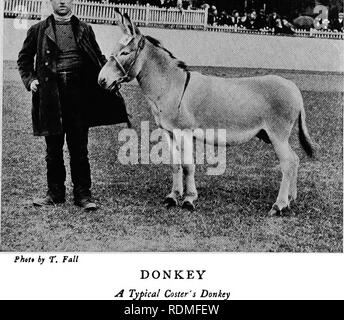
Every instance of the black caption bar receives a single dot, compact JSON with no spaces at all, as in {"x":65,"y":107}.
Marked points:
{"x":171,"y":309}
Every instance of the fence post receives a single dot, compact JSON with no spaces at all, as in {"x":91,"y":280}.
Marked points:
{"x":205,"y":18}
{"x":147,"y":15}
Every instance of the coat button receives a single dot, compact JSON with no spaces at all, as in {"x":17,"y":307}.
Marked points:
{"x":46,"y":79}
{"x":46,"y":63}
{"x":48,"y":51}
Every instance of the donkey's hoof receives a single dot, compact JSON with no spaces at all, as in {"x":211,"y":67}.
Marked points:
{"x":276,"y":211}
{"x":188,"y":206}
{"x":170,"y":202}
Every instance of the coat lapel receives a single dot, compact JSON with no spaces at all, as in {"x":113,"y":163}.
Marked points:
{"x":50,"y":30}
{"x":78,"y":29}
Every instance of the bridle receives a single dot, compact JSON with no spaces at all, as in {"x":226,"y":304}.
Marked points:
{"x":116,"y":85}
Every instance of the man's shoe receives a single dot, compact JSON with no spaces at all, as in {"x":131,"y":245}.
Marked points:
{"x":47,"y":201}
{"x":87,"y":204}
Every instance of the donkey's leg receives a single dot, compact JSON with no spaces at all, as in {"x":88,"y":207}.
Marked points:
{"x":288,"y":164}
{"x":188,"y":170}
{"x":293,"y":183}
{"x":190,"y":186}
{"x":171,"y":199}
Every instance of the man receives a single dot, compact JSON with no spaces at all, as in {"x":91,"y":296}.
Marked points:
{"x":338,"y":24}
{"x":261,"y":21}
{"x":235,"y":19}
{"x":251,"y":22}
{"x":66,"y":98}
{"x":273,"y":20}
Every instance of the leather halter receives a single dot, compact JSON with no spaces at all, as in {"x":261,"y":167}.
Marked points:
{"x":126,"y":73}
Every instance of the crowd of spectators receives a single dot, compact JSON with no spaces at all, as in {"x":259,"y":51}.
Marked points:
{"x":249,"y":19}
{"x":262,"y":21}
{"x":252,"y":20}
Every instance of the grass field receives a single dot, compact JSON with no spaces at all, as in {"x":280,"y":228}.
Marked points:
{"x":231,"y":213}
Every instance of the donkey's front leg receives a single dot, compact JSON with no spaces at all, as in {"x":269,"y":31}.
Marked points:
{"x":177,"y":187}
{"x":190,"y":186}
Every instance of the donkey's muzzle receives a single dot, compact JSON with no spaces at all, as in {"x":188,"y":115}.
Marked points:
{"x":102,"y":82}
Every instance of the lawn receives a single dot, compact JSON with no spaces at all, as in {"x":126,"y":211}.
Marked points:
{"x":231,"y":213}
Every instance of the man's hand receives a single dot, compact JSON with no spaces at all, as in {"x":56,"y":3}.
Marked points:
{"x":34,"y":85}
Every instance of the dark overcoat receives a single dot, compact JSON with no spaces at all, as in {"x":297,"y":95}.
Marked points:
{"x":100,"y":107}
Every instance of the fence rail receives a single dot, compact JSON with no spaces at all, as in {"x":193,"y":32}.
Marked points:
{"x":95,"y":12}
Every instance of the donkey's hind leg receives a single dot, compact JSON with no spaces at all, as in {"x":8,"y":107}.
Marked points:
{"x":190,"y":186}
{"x":188,"y":170}
{"x":289,"y":165}
{"x":293,"y":183}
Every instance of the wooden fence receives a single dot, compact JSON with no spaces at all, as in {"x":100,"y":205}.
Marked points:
{"x":95,"y":12}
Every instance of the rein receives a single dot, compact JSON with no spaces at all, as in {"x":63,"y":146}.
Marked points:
{"x":126,"y":78}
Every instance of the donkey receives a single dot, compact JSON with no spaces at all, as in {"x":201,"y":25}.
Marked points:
{"x":265,"y":106}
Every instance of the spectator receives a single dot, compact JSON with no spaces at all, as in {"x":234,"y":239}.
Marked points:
{"x":325,"y":24}
{"x":282,"y":26}
{"x":186,"y":4}
{"x":251,"y":21}
{"x":168,"y":4}
{"x":337,"y":25}
{"x":288,"y":27}
{"x":243,"y":20}
{"x":261,"y":21}
{"x":235,"y":18}
{"x":212,"y":16}
{"x":163,"y":4}
{"x":273,"y":20}
{"x":179,"y":5}
{"x":318,"y":22}
{"x":223,"y":19}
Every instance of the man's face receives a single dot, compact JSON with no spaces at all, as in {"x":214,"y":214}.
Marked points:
{"x":62,"y":7}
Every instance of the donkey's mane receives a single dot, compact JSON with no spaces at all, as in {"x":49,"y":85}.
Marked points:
{"x":157,"y":43}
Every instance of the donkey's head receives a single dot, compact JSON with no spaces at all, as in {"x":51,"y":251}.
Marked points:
{"x":124,"y":63}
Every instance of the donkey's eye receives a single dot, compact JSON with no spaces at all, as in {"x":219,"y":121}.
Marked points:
{"x":124,"y":53}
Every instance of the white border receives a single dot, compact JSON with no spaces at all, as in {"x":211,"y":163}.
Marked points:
{"x":101,"y":276}
{"x":245,"y":276}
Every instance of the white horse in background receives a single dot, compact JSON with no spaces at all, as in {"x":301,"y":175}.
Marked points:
{"x":265,"y":106}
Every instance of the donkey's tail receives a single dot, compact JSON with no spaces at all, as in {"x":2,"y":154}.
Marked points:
{"x":304,"y":137}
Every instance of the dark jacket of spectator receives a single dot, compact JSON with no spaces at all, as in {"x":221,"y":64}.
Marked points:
{"x":338,"y":24}
{"x":273,"y":20}
{"x":261,"y":21}
{"x":251,"y":21}
{"x":212,"y":16}
{"x":224,"y":19}
{"x":283,"y":26}
{"x":185,"y":4}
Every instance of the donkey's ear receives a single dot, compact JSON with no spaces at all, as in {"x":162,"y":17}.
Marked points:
{"x":130,"y":26}
{"x":119,"y":20}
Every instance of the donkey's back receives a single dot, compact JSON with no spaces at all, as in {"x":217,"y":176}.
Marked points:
{"x":242,"y":106}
